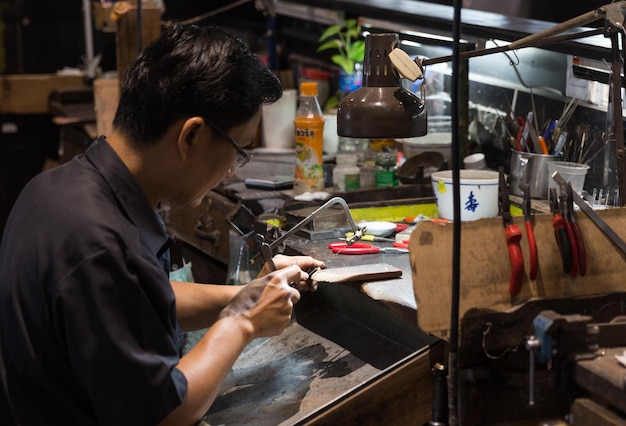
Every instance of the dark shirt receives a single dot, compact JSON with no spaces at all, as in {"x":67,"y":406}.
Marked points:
{"x":88,"y":330}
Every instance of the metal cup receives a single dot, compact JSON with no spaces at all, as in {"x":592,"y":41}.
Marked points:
{"x":530,"y":168}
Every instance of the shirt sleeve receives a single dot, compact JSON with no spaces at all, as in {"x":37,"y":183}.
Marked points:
{"x":115,"y":315}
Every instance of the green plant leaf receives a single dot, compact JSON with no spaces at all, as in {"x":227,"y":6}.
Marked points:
{"x":332,"y":44}
{"x":329,"y":32}
{"x":351,"y":23}
{"x":357,"y":51}
{"x":346,"y":63}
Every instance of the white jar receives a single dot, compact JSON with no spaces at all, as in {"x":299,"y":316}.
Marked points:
{"x":346,"y":173}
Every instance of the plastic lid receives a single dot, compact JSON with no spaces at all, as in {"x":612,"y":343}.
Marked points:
{"x":308,"y":88}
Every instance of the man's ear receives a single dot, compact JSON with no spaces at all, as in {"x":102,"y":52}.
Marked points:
{"x":189,"y":136}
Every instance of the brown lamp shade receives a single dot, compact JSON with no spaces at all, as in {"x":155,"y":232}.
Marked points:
{"x":381,"y":108}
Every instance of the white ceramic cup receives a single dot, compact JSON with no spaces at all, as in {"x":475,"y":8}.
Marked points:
{"x":475,"y":161}
{"x":479,"y":194}
{"x":277,"y":121}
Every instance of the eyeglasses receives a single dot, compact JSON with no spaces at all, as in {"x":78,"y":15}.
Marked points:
{"x":243,"y":157}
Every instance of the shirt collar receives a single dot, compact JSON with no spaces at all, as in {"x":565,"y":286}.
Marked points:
{"x":129,"y":195}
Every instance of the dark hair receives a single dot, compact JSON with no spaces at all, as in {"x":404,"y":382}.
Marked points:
{"x":189,"y":71}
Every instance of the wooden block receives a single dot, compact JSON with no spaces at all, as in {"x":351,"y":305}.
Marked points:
{"x":485,"y":266}
{"x":127,"y":45}
{"x":586,"y":412}
{"x":376,"y":271}
{"x":29,"y":93}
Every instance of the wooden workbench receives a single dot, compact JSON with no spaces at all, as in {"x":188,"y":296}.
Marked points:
{"x":347,"y":359}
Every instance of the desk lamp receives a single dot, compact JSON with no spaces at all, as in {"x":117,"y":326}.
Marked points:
{"x":381,"y":108}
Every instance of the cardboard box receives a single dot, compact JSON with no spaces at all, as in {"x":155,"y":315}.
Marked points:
{"x":28,"y":93}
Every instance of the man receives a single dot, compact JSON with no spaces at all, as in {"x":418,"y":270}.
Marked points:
{"x":90,"y":326}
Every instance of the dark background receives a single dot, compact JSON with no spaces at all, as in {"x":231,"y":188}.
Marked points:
{"x":42,"y":36}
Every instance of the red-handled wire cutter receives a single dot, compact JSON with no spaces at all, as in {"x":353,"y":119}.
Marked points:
{"x":578,"y":239}
{"x":363,"y":248}
{"x":563,"y":203}
{"x":560,"y":231}
{"x":513,"y":237}
{"x":530,"y":235}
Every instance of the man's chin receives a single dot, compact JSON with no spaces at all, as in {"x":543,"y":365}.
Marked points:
{"x":192,"y":204}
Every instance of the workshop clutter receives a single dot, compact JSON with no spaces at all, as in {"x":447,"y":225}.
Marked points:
{"x":479,"y":194}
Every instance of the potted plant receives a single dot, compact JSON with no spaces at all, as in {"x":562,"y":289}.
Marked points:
{"x":348,"y":41}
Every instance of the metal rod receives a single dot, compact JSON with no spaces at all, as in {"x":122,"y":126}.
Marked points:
{"x":617,"y":66}
{"x":535,"y":43}
{"x":89,"y":60}
{"x":453,"y":379}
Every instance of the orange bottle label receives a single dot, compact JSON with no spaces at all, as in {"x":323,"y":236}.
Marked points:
{"x":309,"y":172}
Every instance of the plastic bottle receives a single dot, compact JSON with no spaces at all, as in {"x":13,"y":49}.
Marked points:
{"x":346,"y":174}
{"x":386,"y":168}
{"x":309,"y":129}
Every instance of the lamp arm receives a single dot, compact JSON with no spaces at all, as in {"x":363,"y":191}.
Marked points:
{"x":484,"y":52}
{"x":613,"y":14}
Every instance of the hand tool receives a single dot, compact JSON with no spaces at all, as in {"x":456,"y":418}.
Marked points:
{"x":358,"y":231}
{"x":580,"y":244}
{"x":513,"y":237}
{"x":560,"y":231}
{"x":530,"y":234}
{"x":563,"y":204}
{"x":526,"y":140}
{"x":520,"y":130}
{"x":549,"y":132}
{"x":267,"y":254}
{"x":542,"y":145}
{"x":591,"y":214}
{"x":369,"y":237}
{"x":402,"y":244}
{"x":363,"y":248}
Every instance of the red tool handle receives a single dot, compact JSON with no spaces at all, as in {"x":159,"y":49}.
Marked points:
{"x":343,"y":245}
{"x":513,"y":237}
{"x":558,"y":223}
{"x":573,"y":247}
{"x":582,"y":252}
{"x":532,"y":250}
{"x":356,"y":250}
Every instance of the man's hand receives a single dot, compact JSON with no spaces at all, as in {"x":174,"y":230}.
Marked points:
{"x":267,"y":302}
{"x":306,"y":263}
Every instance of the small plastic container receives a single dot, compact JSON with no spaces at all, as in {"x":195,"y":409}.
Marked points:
{"x":346,"y":174}
{"x":574,"y":173}
{"x":386,"y":170}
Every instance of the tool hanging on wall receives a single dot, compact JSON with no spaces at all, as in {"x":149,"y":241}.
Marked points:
{"x":580,"y":244}
{"x":513,"y":237}
{"x":560,"y":231}
{"x":530,"y":235}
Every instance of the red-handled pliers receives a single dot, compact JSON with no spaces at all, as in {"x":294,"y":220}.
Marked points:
{"x":570,"y":232}
{"x":513,"y":237}
{"x":578,"y":239}
{"x":363,"y":248}
{"x":530,"y":235}
{"x":560,"y":231}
